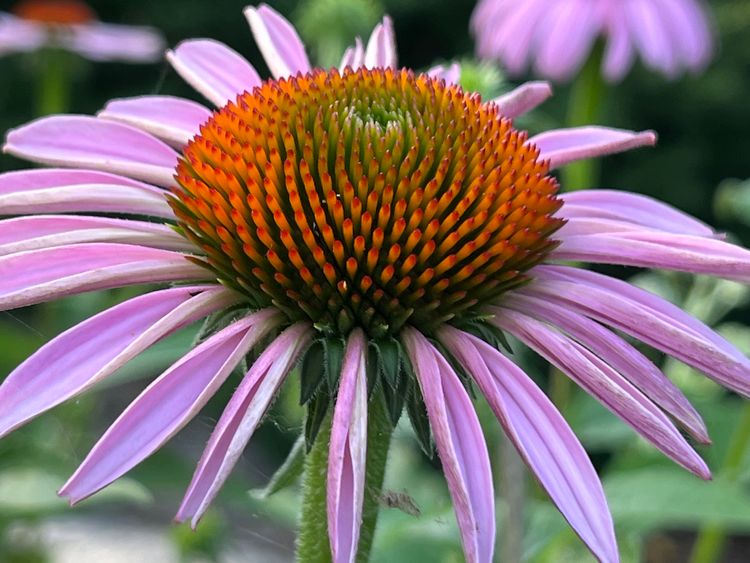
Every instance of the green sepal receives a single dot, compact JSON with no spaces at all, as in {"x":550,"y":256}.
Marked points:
{"x":395,"y":398}
{"x":312,"y":371}
{"x":489,"y":333}
{"x":216,"y":322}
{"x":373,"y":368}
{"x":286,"y":475}
{"x":389,"y":356}
{"x":317,"y":407}
{"x":417,"y":412}
{"x":334,"y":357}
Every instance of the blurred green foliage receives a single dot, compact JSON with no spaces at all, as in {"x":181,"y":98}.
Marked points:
{"x":704,"y":143}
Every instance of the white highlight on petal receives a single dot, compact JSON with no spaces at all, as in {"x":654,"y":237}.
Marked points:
{"x":381,"y":47}
{"x":278,"y":41}
{"x":523,"y":99}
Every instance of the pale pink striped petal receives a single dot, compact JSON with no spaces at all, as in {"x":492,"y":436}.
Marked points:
{"x":543,"y":439}
{"x":460,"y":444}
{"x":381,"y":47}
{"x":523,"y":99}
{"x":450,"y":73}
{"x":618,"y":354}
{"x":646,"y":317}
{"x":36,"y":179}
{"x":93,"y":350}
{"x":213,"y":69}
{"x":278,"y":41}
{"x":601,"y":381}
{"x":240,"y":418}
{"x":348,"y":452}
{"x":354,"y":56}
{"x":632,"y":208}
{"x":42,"y":275}
{"x":562,"y":146}
{"x":166,"y":405}
{"x":86,"y":142}
{"x":44,"y":231}
{"x":173,"y":120}
{"x":686,"y":253}
{"x":111,"y":42}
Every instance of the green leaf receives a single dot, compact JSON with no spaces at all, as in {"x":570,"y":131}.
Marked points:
{"x":317,"y":407}
{"x":334,"y":357}
{"x":418,"y":417}
{"x":669,"y":497}
{"x":312,"y":371}
{"x":287,"y":474}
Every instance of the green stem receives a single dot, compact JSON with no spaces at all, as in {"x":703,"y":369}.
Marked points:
{"x":584,"y":108}
{"x":53,"y":83}
{"x":709,"y":544}
{"x":312,"y":542}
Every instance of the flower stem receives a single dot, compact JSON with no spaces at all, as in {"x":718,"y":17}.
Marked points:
{"x":53,"y":83}
{"x":584,"y":107}
{"x":312,"y":542}
{"x":709,"y":544}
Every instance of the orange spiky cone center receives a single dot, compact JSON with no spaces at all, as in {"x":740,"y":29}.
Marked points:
{"x":55,"y":12}
{"x":371,"y":198}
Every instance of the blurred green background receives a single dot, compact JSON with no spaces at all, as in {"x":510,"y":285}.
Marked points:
{"x":700,"y":165}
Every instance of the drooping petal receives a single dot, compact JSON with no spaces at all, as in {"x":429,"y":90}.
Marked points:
{"x":523,"y":99}
{"x":61,"y":190}
{"x":44,"y":231}
{"x":650,"y":35}
{"x":111,"y":42}
{"x":278,"y":41}
{"x":213,"y":69}
{"x":173,"y":120}
{"x":42,"y":275}
{"x":618,"y":354}
{"x":605,"y":384}
{"x":685,"y":253}
{"x":460,"y":444}
{"x":86,"y":142}
{"x":240,"y":418}
{"x":381,"y":47}
{"x":690,"y":33}
{"x":562,"y":146}
{"x":96,"y":348}
{"x":619,"y":54}
{"x":166,"y":405}
{"x":450,"y":73}
{"x":632,"y":208}
{"x":543,"y":439}
{"x":18,"y":35}
{"x":348,"y":452}
{"x":647,"y":317}
{"x":354,"y":56}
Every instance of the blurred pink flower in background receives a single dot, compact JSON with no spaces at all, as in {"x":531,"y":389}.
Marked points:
{"x":73,"y":26}
{"x":555,"y":37}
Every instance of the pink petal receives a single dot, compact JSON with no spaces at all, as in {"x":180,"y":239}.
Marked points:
{"x":87,"y":142}
{"x":617,"y":353}
{"x":42,"y":275}
{"x":620,"y":52}
{"x":381,"y":47}
{"x":605,"y":384}
{"x":450,"y":73}
{"x":240,"y":418}
{"x":17,"y":35}
{"x":166,"y":405}
{"x":654,"y":249}
{"x":173,"y":120}
{"x":109,"y":42}
{"x":215,"y":70}
{"x":460,"y":444}
{"x":278,"y":41}
{"x":562,"y":146}
{"x":647,"y":317}
{"x":43,"y":231}
{"x":354,"y":56}
{"x":650,"y":35}
{"x":99,"y":346}
{"x":543,"y":439}
{"x":523,"y":99}
{"x":691,"y":36}
{"x":60,"y":190}
{"x":633,"y":208}
{"x":348,"y":452}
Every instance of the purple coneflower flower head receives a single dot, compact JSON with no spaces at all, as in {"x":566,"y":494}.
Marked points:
{"x":555,"y":37}
{"x":386,"y":229}
{"x":72,"y":25}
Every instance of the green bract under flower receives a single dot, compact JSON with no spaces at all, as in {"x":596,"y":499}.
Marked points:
{"x":372,"y":198}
